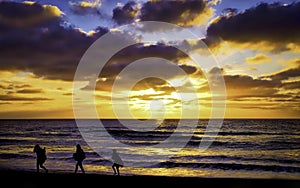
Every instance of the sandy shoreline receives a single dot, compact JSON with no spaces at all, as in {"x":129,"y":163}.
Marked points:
{"x":14,"y":178}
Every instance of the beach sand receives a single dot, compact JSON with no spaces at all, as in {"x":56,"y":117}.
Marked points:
{"x":30,"y":179}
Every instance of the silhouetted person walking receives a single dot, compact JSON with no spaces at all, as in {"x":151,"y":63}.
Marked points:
{"x":117,"y":162}
{"x":79,"y":156}
{"x":40,"y":157}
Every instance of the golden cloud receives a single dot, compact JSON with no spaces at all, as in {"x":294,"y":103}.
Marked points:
{"x":258,"y":59}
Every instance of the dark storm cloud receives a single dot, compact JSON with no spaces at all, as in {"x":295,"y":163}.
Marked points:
{"x":46,"y":48}
{"x":136,"y":52}
{"x":245,"y":81}
{"x":183,"y":13}
{"x":285,"y":74}
{"x":245,"y":87}
{"x":25,"y":14}
{"x":275,"y":23}
{"x":291,"y":85}
{"x":188,"y":69}
{"x":139,"y":51}
{"x":51,"y":50}
{"x":125,"y":14}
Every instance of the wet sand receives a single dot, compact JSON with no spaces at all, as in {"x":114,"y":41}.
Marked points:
{"x":30,"y":179}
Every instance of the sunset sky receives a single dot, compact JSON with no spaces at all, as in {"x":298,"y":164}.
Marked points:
{"x":256,"y":44}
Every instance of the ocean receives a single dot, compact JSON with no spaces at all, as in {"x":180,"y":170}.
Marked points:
{"x":243,"y":148}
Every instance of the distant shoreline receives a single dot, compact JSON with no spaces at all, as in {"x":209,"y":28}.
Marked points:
{"x":19,"y":178}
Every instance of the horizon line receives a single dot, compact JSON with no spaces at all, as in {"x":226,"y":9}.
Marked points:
{"x":142,"y":119}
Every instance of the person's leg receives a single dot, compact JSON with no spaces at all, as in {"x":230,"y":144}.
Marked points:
{"x":113,"y":167}
{"x":37,"y":167}
{"x":43,"y":167}
{"x":118,"y":171}
{"x":81,"y":167}
{"x":76,"y":167}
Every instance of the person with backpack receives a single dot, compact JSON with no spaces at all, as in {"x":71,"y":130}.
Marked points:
{"x":40,"y":158}
{"x":117,"y":162}
{"x":79,"y":156}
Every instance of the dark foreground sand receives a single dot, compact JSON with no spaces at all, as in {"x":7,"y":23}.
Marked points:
{"x":10,"y":178}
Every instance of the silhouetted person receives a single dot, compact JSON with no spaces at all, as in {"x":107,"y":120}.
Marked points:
{"x":40,"y":157}
{"x":117,"y":162}
{"x":79,"y":156}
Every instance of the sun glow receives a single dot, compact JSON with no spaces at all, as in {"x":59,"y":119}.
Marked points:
{"x":260,"y":68}
{"x":177,"y":82}
{"x":156,"y":105}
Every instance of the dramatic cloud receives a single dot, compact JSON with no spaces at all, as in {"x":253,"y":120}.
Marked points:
{"x":184,"y":13}
{"x":285,"y":74}
{"x":19,"y":98}
{"x":273,"y":24}
{"x":258,"y":58}
{"x":291,"y":86}
{"x":26,"y":14}
{"x":16,"y":88}
{"x":268,"y":88}
{"x":68,"y":94}
{"x":241,"y":86}
{"x":152,"y":83}
{"x":85,"y":7}
{"x":125,"y":14}
{"x":51,"y":50}
{"x":38,"y":43}
{"x":30,"y":91}
{"x":128,"y":55}
{"x":188,"y":69}
{"x":139,"y":51}
{"x":244,"y":81}
{"x":45,"y":47}
{"x":11,"y":86}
